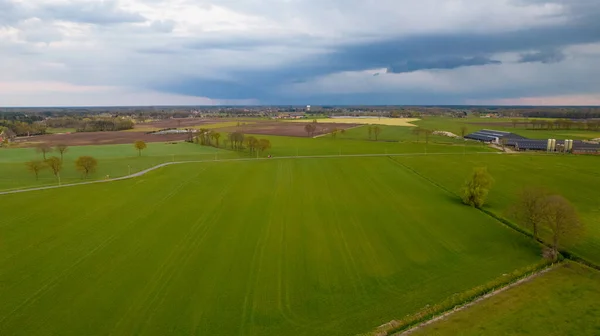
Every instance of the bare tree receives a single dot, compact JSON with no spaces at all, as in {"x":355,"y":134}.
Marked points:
{"x":264,"y":145}
{"x":529,"y":209}
{"x":370,"y":130}
{"x":86,"y":165}
{"x":562,"y":222}
{"x":515,"y":122}
{"x":43,"y":148}
{"x":35,"y":167}
{"x":503,"y":142}
{"x":55,"y":164}
{"x":476,"y":189}
{"x":427,"y":133}
{"x":216,"y":136}
{"x":140,"y":146}
{"x":417,"y":131}
{"x":464,"y":131}
{"x":62,"y":149}
{"x":376,"y":132}
{"x":334,"y":132}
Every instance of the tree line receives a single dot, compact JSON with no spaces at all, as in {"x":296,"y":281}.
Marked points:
{"x":559,"y":124}
{"x":84,"y":164}
{"x":235,"y":140}
{"x":552,"y":219}
{"x":23,"y":128}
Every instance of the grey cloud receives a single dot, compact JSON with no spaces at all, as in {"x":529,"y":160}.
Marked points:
{"x":546,"y":57}
{"x":444,"y":63}
{"x":165,"y":26}
{"x":100,"y":13}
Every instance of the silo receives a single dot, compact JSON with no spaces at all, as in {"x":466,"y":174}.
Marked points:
{"x":549,"y":145}
{"x":553,"y":147}
{"x":568,"y":145}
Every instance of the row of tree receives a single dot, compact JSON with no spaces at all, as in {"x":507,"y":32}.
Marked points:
{"x":85,"y":164}
{"x":236,"y":140}
{"x":22,"y":128}
{"x":552,"y":219}
{"x":559,"y":124}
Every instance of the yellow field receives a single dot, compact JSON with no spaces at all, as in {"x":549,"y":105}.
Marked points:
{"x":377,"y":121}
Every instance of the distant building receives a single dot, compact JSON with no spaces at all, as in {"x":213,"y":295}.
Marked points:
{"x":307,"y":108}
{"x":521,"y":143}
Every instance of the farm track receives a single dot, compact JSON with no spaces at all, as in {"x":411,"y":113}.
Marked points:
{"x":145,"y":171}
{"x":476,"y":301}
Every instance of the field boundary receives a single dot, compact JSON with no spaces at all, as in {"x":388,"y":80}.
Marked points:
{"x":460,"y":301}
{"x":145,"y":171}
{"x":518,"y":282}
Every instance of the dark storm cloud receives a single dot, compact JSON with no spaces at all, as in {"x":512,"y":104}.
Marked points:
{"x":446,"y":63}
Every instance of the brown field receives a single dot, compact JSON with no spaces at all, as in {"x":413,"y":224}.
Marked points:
{"x":97,"y":138}
{"x":177,"y":123}
{"x":125,"y":137}
{"x":284,"y":128}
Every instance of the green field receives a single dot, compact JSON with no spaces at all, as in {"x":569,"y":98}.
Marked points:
{"x":119,"y":160}
{"x":332,"y":246}
{"x":564,"y":301}
{"x":575,"y":177}
{"x":113,"y":160}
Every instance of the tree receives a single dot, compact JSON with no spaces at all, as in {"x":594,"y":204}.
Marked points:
{"x":476,"y":189}
{"x":334,"y":132}
{"x":342,"y":131}
{"x":62,"y":149}
{"x":515,"y":122}
{"x":35,"y":167}
{"x":216,"y":136}
{"x":311,"y":128}
{"x":263,"y":145}
{"x":503,"y":142}
{"x":370,"y":130}
{"x":86,"y":165}
{"x":561,"y":221}
{"x":43,"y":148}
{"x":427,"y":133}
{"x":376,"y":132}
{"x":55,"y":164}
{"x":464,"y":131}
{"x":529,"y":209}
{"x":417,"y":131}
{"x":140,"y":146}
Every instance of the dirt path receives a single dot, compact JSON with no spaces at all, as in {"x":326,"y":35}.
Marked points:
{"x":145,"y":171}
{"x":496,"y":292}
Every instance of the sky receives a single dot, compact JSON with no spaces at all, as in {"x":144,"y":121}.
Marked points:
{"x":300,"y":52}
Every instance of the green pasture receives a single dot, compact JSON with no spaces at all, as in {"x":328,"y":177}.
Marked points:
{"x":564,"y":301}
{"x":575,"y":177}
{"x":113,"y":160}
{"x":333,"y":246}
{"x":120,"y":160}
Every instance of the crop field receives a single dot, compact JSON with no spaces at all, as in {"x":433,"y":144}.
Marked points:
{"x":333,"y":246}
{"x":575,"y":177}
{"x":564,"y":301}
{"x":406,"y":122}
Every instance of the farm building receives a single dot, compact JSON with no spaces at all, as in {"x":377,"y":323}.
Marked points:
{"x":493,"y":136}
{"x":521,"y":143}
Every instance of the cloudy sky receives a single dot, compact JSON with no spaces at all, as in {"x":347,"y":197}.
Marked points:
{"x":187,"y":52}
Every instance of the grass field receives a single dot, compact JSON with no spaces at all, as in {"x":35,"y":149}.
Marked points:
{"x":113,"y":160}
{"x":274,"y":247}
{"x":406,"y":122}
{"x":119,"y":160}
{"x":575,"y":177}
{"x":564,"y":301}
